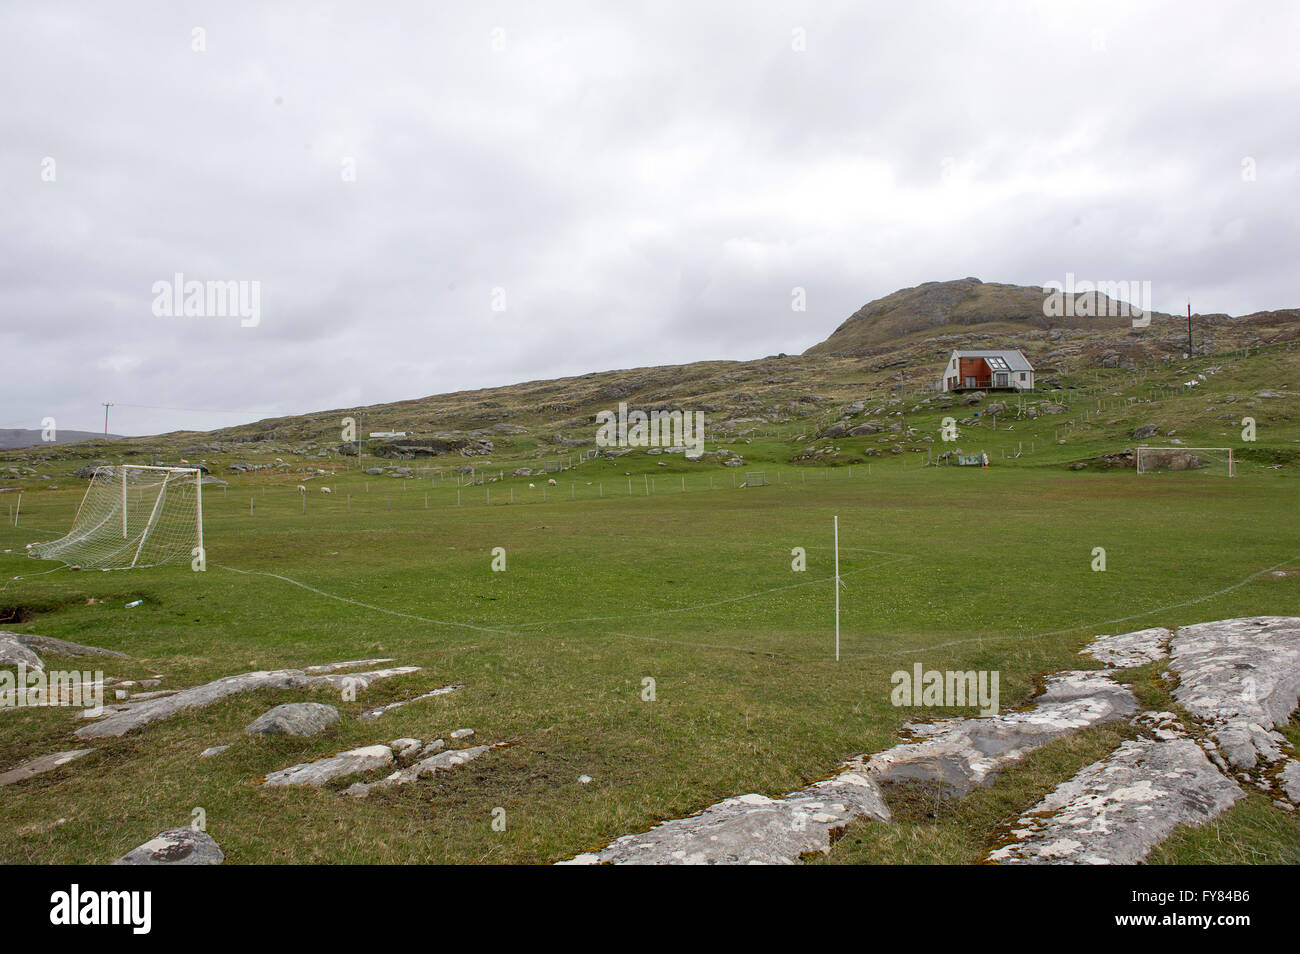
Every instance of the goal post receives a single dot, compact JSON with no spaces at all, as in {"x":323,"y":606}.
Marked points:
{"x":133,"y":515}
{"x":1211,"y":460}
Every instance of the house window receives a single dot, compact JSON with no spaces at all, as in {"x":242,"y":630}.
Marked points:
{"x":1023,"y":376}
{"x":970,"y":383}
{"x":1001,"y":378}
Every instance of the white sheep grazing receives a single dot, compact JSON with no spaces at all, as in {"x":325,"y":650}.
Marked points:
{"x":551,"y":481}
{"x":184,"y":461}
{"x":302,"y":489}
{"x":532,"y":486}
{"x":326,"y":490}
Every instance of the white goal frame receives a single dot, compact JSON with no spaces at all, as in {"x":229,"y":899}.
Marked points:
{"x":1232,"y":463}
{"x":118,"y":473}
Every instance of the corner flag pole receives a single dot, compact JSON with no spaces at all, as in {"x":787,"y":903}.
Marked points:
{"x":837,"y":587}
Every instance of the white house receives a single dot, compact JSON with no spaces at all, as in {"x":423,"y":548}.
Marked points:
{"x":1007,"y":370}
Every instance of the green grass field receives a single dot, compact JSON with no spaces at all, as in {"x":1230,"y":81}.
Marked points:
{"x":955,"y":568}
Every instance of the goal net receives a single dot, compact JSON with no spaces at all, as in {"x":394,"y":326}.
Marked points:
{"x":1209,"y":460}
{"x":132,"y":516}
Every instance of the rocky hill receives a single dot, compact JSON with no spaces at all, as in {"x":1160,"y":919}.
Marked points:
{"x":967,"y":302}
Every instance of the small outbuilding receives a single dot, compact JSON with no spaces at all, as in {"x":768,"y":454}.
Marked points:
{"x":1004,"y":370}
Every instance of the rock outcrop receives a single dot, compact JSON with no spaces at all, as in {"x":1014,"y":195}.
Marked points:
{"x":317,"y":773}
{"x":1241,"y":677}
{"x":961,"y":754}
{"x":39,"y":766}
{"x":24,"y":648}
{"x":134,"y":715}
{"x":1116,"y":810}
{"x":753,"y":829}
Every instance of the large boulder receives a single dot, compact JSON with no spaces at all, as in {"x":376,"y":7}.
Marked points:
{"x":838,"y":429}
{"x":974,"y":397}
{"x":1145,"y":430}
{"x":294,"y":718}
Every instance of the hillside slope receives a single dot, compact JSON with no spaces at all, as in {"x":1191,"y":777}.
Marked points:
{"x":793,"y":400}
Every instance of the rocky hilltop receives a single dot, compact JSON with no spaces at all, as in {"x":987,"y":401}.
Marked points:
{"x":968,"y":302}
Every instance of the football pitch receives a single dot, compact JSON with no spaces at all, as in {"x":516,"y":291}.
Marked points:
{"x":676,"y":647}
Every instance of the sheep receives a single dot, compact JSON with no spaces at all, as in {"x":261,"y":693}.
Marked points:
{"x":326,"y":490}
{"x":532,"y":486}
{"x":551,"y":482}
{"x":185,"y":462}
{"x":302,"y":489}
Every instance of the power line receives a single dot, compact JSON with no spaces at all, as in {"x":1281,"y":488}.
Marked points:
{"x":188,"y":410}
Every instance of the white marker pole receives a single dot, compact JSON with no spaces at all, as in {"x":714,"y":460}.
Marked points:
{"x":837,"y":588}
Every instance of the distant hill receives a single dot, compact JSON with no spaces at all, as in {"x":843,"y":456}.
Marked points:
{"x":22,"y":437}
{"x":890,"y":320}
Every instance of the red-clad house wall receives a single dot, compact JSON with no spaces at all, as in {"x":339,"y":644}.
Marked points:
{"x":976,"y":368}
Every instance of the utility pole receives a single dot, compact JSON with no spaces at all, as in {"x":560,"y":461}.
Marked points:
{"x":107,"y":405}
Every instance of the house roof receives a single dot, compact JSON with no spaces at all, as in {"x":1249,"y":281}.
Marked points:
{"x":1012,"y":356}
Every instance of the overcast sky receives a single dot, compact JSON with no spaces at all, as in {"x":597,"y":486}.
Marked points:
{"x":636,"y":183}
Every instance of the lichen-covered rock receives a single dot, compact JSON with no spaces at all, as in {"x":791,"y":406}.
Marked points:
{"x":142,"y":713}
{"x":315,"y":774}
{"x":1130,"y":649}
{"x":961,"y":754}
{"x":179,"y":846}
{"x":294,"y":718}
{"x":1241,"y":677}
{"x":753,"y":829}
{"x":1116,"y":810}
